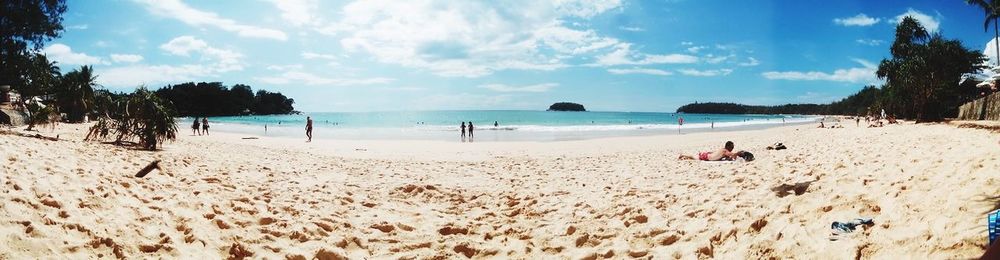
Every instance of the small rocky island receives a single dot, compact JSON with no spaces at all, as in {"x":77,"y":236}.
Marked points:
{"x":566,"y":106}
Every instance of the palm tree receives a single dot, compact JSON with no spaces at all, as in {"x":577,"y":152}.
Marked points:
{"x":43,"y":76}
{"x":76,"y":95}
{"x":992,"y":10}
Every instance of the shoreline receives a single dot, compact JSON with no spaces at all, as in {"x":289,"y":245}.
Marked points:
{"x":501,"y":134}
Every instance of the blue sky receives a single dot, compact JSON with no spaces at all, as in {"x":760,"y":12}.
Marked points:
{"x":609,"y":55}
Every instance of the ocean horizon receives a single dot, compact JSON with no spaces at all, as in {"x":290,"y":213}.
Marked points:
{"x":491,"y":125}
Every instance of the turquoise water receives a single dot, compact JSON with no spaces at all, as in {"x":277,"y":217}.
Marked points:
{"x":513,"y":125}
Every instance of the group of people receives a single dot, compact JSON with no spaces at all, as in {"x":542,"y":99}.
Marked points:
{"x":472,"y":128}
{"x":199,"y":128}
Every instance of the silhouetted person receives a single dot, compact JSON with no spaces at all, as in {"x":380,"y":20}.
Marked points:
{"x":496,"y":124}
{"x":463,"y":130}
{"x":470,"y":130}
{"x":309,"y":128}
{"x":195,"y":127}
{"x":204,"y":125}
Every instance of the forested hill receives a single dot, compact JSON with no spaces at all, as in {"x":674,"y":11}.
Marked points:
{"x":733,"y":108}
{"x":856,"y":104}
{"x":215,"y":99}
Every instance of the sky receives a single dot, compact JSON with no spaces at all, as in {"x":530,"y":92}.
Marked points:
{"x":609,"y":55}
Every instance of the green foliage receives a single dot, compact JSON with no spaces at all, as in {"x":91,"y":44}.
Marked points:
{"x":991,"y":9}
{"x":733,"y":108}
{"x":214,"y":99}
{"x":25,"y":26}
{"x":922,"y":82}
{"x":566,"y":106}
{"x":75,"y":93}
{"x":42,"y":76}
{"x":141,"y":116}
{"x":922,"y":77}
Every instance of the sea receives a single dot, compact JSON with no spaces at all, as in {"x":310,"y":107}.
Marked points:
{"x":490,"y":125}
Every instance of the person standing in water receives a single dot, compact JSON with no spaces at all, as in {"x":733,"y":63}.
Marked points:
{"x":470,"y":130}
{"x":204,"y":125}
{"x":463,"y":130}
{"x":309,"y":129}
{"x":496,"y":124}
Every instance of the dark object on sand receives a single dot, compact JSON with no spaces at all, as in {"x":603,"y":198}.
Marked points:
{"x":849,"y":226}
{"x":787,"y":189}
{"x":566,"y":106}
{"x":747,"y":156}
{"x":153,"y":165}
{"x":249,"y":138}
{"x":777,"y":146}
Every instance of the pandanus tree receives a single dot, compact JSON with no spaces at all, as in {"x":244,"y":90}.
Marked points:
{"x":992,"y":10}
{"x":141,"y":116}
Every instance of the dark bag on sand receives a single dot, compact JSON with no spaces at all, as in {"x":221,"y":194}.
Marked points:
{"x":747,"y":156}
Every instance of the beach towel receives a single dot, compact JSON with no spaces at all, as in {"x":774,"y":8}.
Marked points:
{"x":991,"y":224}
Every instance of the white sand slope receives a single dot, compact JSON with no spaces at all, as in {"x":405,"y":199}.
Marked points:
{"x":927,"y":187}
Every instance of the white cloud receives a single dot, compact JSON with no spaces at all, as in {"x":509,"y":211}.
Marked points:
{"x":713,"y":59}
{"x":928,"y":22}
{"x":623,"y":55}
{"x":131,"y":76}
{"x":864,"y":74}
{"x":870,"y":42}
{"x":194,"y":17}
{"x":695,"y":49}
{"x":224,"y":60}
{"x":77,"y":27}
{"x":471,"y":38}
{"x":990,"y":50}
{"x":297,"y":12}
{"x":312,"y":55}
{"x":306,"y":78}
{"x":640,"y":71}
{"x":284,"y":67}
{"x":211,"y":62}
{"x":126,"y":58}
{"x":705,"y":73}
{"x":64,"y":55}
{"x":631,"y":29}
{"x":751,"y":61}
{"x":857,"y":20}
{"x":687,"y":43}
{"x":544,"y":87}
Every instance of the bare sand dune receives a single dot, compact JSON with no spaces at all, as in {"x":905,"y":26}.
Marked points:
{"x":927,"y":187}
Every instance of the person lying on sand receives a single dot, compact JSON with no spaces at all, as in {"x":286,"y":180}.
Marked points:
{"x":724,"y":154}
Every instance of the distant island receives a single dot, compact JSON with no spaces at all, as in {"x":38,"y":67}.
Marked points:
{"x":566,"y":106}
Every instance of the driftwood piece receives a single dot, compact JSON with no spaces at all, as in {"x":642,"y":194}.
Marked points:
{"x":153,"y":165}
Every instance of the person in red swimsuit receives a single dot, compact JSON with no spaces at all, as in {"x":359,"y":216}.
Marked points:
{"x":726,"y":153}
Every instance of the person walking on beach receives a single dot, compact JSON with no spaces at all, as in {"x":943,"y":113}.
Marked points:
{"x":204,"y":125}
{"x":470,"y":129}
{"x":309,"y":129}
{"x":195,"y":126}
{"x":463,"y":130}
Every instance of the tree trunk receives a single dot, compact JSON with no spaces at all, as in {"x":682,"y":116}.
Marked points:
{"x":996,"y":33}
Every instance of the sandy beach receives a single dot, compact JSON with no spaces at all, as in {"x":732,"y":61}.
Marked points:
{"x":927,"y":188}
